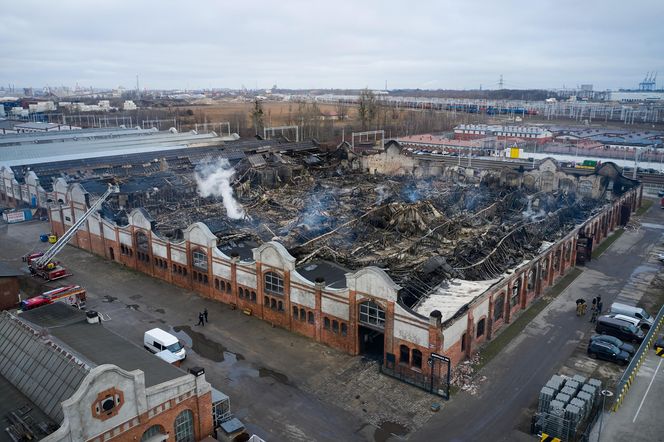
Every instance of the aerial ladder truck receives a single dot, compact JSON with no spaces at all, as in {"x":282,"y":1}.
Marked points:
{"x":43,"y":265}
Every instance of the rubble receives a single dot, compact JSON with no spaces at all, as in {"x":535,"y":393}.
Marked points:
{"x":421,"y":231}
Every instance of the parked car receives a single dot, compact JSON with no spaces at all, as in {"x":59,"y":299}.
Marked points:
{"x":607,"y":351}
{"x":629,"y":348}
{"x":659,"y":343}
{"x":620,"y":329}
{"x":643,"y":325}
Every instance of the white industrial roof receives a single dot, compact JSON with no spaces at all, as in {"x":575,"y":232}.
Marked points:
{"x":71,"y":149}
{"x":450,"y":296}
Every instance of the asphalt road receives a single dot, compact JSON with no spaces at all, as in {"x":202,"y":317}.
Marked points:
{"x":517,"y":374}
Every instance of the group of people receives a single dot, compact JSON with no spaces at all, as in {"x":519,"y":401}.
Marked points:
{"x":202,"y":317}
{"x":595,"y":310}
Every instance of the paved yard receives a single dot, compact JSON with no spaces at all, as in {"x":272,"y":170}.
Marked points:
{"x":283,"y":386}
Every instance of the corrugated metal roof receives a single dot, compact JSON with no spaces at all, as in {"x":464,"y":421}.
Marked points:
{"x":37,"y":369}
{"x":78,"y":149}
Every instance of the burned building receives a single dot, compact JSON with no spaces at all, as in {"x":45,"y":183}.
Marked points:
{"x":382,"y":254}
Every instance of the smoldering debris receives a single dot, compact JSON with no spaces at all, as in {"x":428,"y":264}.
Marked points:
{"x":420,"y":231}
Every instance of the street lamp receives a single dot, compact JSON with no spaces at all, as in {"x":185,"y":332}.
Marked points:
{"x":605,"y":394}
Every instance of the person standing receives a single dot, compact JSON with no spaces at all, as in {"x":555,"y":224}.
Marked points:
{"x":201,"y":319}
{"x":205,"y":314}
{"x":599,"y":305}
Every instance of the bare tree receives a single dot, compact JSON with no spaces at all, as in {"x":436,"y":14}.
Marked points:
{"x":367,"y":108}
{"x":257,"y":116}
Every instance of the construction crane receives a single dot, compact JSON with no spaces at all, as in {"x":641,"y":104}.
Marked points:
{"x":50,"y":270}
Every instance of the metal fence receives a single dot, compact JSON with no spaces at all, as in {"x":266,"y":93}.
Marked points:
{"x":630,"y":372}
{"x":432,"y":384}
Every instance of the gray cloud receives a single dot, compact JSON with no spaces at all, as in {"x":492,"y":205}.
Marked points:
{"x":426,"y":44}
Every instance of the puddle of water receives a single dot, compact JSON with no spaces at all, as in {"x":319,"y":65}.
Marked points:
{"x":202,"y":345}
{"x":388,"y":429}
{"x":108,"y":298}
{"x":135,"y":297}
{"x":279,"y":377}
{"x":160,"y":310}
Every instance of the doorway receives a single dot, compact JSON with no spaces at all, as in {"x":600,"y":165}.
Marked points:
{"x":372,"y":343}
{"x":110,"y":250}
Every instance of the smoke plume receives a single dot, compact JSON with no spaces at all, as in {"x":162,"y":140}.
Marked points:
{"x":215,"y":180}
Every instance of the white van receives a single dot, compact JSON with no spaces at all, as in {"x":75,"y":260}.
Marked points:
{"x":157,"y":341}
{"x":630,"y":310}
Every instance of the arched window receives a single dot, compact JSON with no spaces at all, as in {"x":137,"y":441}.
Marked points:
{"x":372,"y":314}
{"x":499,"y":306}
{"x":266,"y":301}
{"x":310,"y":318}
{"x":142,"y":242}
{"x":253,"y":296}
{"x":274,"y":283}
{"x":326,"y":323}
{"x":153,"y":433}
{"x":273,"y":304}
{"x":296,"y":311}
{"x":199,"y":259}
{"x":184,"y":427}
{"x":404,"y":354}
{"x":344,"y":329}
{"x":303,"y":315}
{"x":335,"y":326}
{"x":240,"y":292}
{"x":516,"y":290}
{"x":417,"y":358}
{"x":480,"y":328}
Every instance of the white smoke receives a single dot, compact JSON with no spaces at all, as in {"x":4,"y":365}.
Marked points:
{"x":215,"y":180}
{"x":383,"y":192}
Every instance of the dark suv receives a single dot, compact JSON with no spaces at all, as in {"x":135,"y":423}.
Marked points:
{"x":620,"y":329}
{"x":623,"y":346}
{"x":607,"y":351}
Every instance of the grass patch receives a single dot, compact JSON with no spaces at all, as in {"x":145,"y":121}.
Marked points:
{"x":645,"y":205}
{"x":607,"y":243}
{"x":488,"y":352}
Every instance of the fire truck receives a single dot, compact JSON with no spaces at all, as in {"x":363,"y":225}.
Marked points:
{"x":42,"y":263}
{"x":71,"y":294}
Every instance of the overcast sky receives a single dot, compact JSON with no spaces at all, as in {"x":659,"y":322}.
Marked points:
{"x":327,"y":44}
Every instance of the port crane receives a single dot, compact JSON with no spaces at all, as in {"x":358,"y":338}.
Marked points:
{"x":43,"y":264}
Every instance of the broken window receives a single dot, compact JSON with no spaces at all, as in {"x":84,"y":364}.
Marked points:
{"x":531,"y":280}
{"x":516,"y":290}
{"x":417,"y":358}
{"x":404,"y":355}
{"x":199,"y":259}
{"x":498,"y":307}
{"x":372,"y":314}
{"x":142,"y":242}
{"x":480,"y":328}
{"x":274,"y":283}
